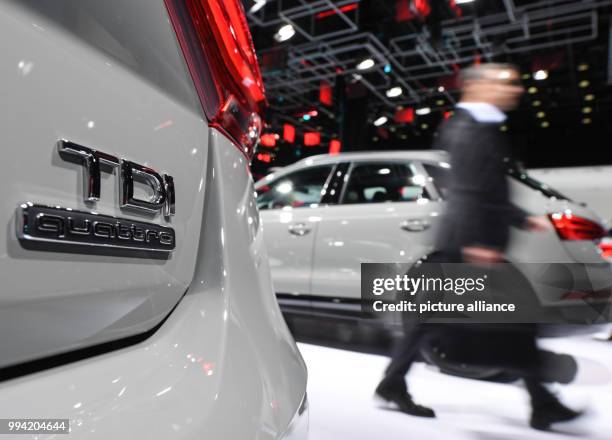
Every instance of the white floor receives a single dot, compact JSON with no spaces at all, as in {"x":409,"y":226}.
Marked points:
{"x":341,"y":384}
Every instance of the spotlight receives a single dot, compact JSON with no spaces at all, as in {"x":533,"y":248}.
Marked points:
{"x":257,"y":6}
{"x":531,"y":90}
{"x":284,"y":33}
{"x":306,"y":117}
{"x":441,"y":89}
{"x":394,"y":92}
{"x":589,"y":97}
{"x":380,"y":121}
{"x":526,"y":76}
{"x":387,"y":68}
{"x":540,"y":75}
{"x":540,"y":114}
{"x":461,"y":2}
{"x":424,"y":126}
{"x":544,"y":124}
{"x":423,"y":111}
{"x":586,"y":110}
{"x":366,"y":64}
{"x":536,"y":103}
{"x":584,"y":83}
{"x":503,"y":128}
{"x":586,"y":121}
{"x":582,"y":67}
{"x":440,"y":102}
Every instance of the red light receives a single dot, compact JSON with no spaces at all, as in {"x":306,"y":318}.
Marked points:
{"x":606,"y":249}
{"x":334,"y":147}
{"x":268,"y":140}
{"x":345,"y":8}
{"x":325,"y":93}
{"x":405,"y":115}
{"x":447,"y":114}
{"x":313,"y":113}
{"x":422,"y":7}
{"x":217,"y":46}
{"x":572,"y":227}
{"x":264,"y":157}
{"x":312,"y":138}
{"x":289,"y":133}
{"x":402,"y":11}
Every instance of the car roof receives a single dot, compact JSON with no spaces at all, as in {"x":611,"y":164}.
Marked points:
{"x":324,"y":159}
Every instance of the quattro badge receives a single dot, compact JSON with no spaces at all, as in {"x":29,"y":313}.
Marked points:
{"x":67,"y":227}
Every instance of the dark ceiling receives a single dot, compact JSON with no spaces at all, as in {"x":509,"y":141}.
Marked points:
{"x":419,"y":46}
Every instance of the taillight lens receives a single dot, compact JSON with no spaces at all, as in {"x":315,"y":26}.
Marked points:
{"x":606,"y":249}
{"x":217,"y":46}
{"x":573,"y":227}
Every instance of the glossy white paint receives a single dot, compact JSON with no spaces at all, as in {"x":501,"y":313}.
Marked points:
{"x":292,"y":249}
{"x":223,"y":366}
{"x":56,"y":86}
{"x":348,"y":235}
{"x":110,"y":75}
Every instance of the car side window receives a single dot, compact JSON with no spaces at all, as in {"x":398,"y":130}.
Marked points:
{"x":379,"y":182}
{"x":440,"y":177}
{"x":298,"y":189}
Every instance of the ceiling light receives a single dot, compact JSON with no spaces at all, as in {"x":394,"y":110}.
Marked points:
{"x":504,"y":128}
{"x":583,"y":67}
{"x":526,"y":76}
{"x":544,"y":124}
{"x":461,"y":2}
{"x":380,"y":121}
{"x":536,"y":103}
{"x":532,"y":90}
{"x":586,"y":121}
{"x":540,"y":75}
{"x":423,"y":111}
{"x":284,"y":33}
{"x":540,"y":114}
{"x":584,"y":83}
{"x":394,"y":92}
{"x":586,"y":110}
{"x":440,"y":102}
{"x":589,"y":97}
{"x":424,"y":126}
{"x":441,"y":89}
{"x":366,"y":64}
{"x":257,"y":6}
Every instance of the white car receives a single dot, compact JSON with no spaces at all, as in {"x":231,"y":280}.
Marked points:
{"x":325,"y":215}
{"x":136,"y":297}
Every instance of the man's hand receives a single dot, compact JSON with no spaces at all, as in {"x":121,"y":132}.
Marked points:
{"x":481,"y":255}
{"x":538,"y":224}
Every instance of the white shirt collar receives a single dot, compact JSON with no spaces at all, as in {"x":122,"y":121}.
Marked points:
{"x":483,"y":112}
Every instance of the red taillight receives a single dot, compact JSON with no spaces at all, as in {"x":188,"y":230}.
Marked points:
{"x":217,"y":46}
{"x":572,"y":227}
{"x":606,"y":249}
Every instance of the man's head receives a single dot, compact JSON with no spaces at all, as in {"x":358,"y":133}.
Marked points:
{"x":493,"y":83}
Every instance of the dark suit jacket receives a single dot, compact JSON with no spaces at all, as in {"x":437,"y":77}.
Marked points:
{"x":479,"y":211}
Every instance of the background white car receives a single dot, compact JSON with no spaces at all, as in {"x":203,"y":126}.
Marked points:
{"x":188,"y":345}
{"x":325,"y":215}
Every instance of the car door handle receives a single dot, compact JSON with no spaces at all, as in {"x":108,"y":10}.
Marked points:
{"x":415,"y":224}
{"x":299,"y":229}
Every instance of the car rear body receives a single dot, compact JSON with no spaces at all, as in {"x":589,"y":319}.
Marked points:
{"x":179,"y":344}
{"x":372,"y":219}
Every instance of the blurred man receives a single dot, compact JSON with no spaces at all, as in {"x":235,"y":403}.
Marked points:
{"x":476,"y":228}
